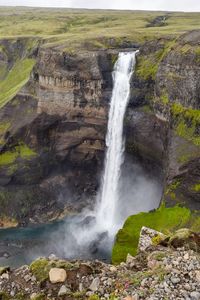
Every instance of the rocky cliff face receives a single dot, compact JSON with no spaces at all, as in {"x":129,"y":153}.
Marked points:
{"x":168,"y":72}
{"x":53,"y":135}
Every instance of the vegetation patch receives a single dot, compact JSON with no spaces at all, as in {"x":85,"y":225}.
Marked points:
{"x":164,"y":98}
{"x":146,"y":109}
{"x":147,"y":65}
{"x":21,"y":151}
{"x":4,"y":296}
{"x":196,"y":187}
{"x":4,"y":126}
{"x":171,"y":188}
{"x":186,"y":122}
{"x":165,"y":220}
{"x":15,"y":80}
{"x":40,"y":269}
{"x":39,"y":297}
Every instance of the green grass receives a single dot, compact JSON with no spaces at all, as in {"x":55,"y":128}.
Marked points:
{"x":4,"y":126}
{"x":15,"y":80}
{"x":9,"y":157}
{"x":3,"y":70}
{"x":88,"y":27}
{"x":165,"y":220}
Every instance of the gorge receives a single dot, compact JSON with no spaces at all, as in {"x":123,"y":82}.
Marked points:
{"x":62,"y":190}
{"x":91,"y":233}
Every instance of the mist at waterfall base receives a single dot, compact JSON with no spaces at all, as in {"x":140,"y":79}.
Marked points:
{"x":126,"y":189}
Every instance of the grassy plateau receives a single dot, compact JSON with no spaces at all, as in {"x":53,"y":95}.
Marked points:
{"x":73,"y":28}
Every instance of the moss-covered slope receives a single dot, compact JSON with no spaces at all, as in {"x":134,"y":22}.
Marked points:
{"x":15,"y":80}
{"x":165,"y":220}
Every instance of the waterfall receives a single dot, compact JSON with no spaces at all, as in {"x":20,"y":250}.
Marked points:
{"x":108,"y":199}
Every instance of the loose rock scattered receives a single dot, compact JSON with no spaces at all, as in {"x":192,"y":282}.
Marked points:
{"x":159,"y":272}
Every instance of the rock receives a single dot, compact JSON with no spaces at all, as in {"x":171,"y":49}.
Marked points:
{"x":95,"y":245}
{"x":186,"y":256}
{"x":12,"y":293}
{"x":89,"y":294}
{"x":80,"y":287}
{"x":175,"y":280}
{"x":27,"y":277}
{"x":153,"y":264}
{"x":33,"y":278}
{"x":185,"y":237}
{"x":6,"y":255}
{"x":198,"y":276}
{"x":57,"y":275}
{"x":37,"y":296}
{"x":135,"y":297}
{"x":63,"y":291}
{"x":4,"y":270}
{"x":195,"y":296}
{"x":95,"y":284}
{"x":109,"y":282}
{"x":53,"y":257}
{"x":5,"y":276}
{"x":130,"y":259}
{"x":187,"y":287}
{"x":113,"y":269}
{"x":147,"y":237}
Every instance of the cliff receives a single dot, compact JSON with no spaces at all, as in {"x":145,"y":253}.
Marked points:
{"x":165,"y":118}
{"x":52,"y":134}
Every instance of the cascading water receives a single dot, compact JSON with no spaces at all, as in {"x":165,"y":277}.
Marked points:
{"x":106,"y":208}
{"x":91,"y":234}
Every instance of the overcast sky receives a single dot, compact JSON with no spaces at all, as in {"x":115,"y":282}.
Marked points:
{"x":181,"y":5}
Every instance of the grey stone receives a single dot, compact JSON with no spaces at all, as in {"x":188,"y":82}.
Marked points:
{"x":95,"y":284}
{"x":195,"y":296}
{"x":63,"y":291}
{"x":175,"y":280}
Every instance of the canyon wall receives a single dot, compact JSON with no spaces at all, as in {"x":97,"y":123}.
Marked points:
{"x":166,"y":84}
{"x":52,"y":136}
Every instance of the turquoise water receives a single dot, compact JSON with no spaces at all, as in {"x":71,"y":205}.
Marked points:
{"x":19,"y":246}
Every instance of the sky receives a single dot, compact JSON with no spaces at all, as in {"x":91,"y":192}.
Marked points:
{"x":173,"y":5}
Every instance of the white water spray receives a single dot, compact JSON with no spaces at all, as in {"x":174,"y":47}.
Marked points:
{"x":106,"y":209}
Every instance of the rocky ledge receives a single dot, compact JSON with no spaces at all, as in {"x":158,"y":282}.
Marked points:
{"x":168,"y":270}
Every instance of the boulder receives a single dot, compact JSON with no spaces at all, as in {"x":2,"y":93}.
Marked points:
{"x":57,"y":275}
{"x":149,"y":237}
{"x":185,"y":238}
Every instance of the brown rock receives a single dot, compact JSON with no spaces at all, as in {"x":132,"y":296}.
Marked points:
{"x":57,"y":275}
